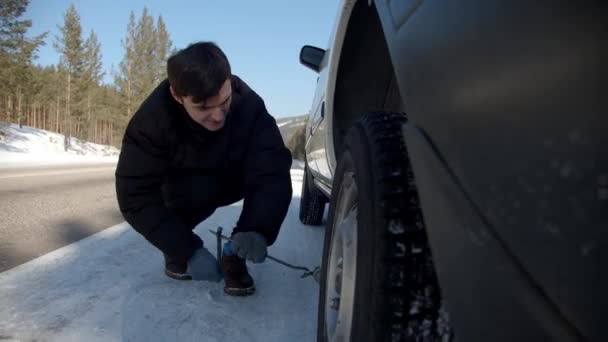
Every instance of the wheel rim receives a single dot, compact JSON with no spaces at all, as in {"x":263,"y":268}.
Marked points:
{"x":342,"y":263}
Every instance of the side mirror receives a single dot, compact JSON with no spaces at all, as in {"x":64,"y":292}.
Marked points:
{"x":311,"y":57}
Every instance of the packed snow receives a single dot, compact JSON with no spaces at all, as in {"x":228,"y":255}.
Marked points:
{"x":28,"y":146}
{"x":111,"y":286}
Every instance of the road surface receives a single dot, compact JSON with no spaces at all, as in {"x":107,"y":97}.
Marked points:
{"x":44,"y":208}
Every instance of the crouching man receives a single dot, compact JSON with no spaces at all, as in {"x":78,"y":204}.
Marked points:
{"x":203,"y":140}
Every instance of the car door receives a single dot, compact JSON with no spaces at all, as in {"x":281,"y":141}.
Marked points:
{"x":317,"y":129}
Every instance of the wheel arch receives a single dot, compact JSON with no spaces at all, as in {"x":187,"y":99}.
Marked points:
{"x":364,"y":80}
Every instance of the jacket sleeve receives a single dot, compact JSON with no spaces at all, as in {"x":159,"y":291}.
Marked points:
{"x":267,"y":180}
{"x":142,"y":164}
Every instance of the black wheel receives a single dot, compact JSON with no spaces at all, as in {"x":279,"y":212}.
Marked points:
{"x":378,"y":282}
{"x":312,"y":203}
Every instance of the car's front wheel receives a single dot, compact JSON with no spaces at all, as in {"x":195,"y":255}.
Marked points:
{"x":378,"y":282}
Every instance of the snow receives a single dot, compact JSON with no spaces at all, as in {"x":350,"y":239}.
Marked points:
{"x":281,"y":124}
{"x":298,"y":164}
{"x":29,"y":146}
{"x":111,"y":286}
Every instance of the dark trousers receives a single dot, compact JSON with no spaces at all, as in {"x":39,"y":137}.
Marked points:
{"x":192,"y":216}
{"x":193,"y":198}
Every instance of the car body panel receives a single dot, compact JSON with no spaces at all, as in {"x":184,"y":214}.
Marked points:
{"x":507,"y":95}
{"x":488,"y":294}
{"x":516,"y":112}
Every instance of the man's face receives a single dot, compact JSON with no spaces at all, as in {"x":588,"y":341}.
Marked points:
{"x":211,"y":113}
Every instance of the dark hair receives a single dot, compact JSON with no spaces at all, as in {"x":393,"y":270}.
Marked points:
{"x":199,"y":71}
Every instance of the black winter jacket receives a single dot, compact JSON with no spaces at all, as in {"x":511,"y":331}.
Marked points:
{"x":172,"y":171}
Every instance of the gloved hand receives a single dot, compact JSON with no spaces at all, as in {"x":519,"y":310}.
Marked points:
{"x":203,"y":266}
{"x":250,"y":246}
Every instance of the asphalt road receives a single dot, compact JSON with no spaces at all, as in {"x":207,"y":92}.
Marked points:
{"x":45,"y":208}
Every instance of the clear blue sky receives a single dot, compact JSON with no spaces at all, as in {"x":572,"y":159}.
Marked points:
{"x":262,"y":39}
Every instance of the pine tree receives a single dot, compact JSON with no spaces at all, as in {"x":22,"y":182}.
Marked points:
{"x":145,"y":46}
{"x":91,"y":78}
{"x":163,"y":49}
{"x":69,"y":45}
{"x":47,"y":96}
{"x":124,"y":80}
{"x":16,"y":55}
{"x":33,"y":94}
{"x":110,"y":115}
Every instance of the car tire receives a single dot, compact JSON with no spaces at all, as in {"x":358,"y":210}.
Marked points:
{"x":312,"y":203}
{"x":378,"y":282}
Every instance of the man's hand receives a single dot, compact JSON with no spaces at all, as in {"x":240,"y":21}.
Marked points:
{"x":203,"y":266}
{"x":250,"y":246}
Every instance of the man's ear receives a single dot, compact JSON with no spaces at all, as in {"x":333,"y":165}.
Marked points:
{"x":175,"y":96}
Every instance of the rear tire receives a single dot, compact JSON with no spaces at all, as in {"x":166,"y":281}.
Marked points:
{"x":378,"y":282}
{"x":312,"y":203}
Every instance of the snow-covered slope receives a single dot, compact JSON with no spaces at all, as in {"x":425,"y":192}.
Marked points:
{"x":288,"y":126}
{"x":111,"y":287}
{"x":29,"y":146}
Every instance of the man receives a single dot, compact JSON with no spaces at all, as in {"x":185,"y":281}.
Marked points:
{"x":202,"y":140}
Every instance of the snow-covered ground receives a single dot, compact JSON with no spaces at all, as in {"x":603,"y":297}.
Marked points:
{"x":111,"y":287}
{"x":29,"y":146}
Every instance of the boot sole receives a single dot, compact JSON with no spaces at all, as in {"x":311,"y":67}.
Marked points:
{"x":177,"y":276}
{"x":239,"y":292}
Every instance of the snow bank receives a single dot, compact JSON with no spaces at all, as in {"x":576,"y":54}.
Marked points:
{"x":29,"y":146}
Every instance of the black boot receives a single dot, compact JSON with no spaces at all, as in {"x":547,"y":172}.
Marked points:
{"x":238,"y":280}
{"x":176,"y":269}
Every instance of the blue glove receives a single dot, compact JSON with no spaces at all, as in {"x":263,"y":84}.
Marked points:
{"x":250,"y":246}
{"x":203,"y":266}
